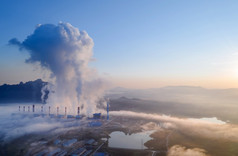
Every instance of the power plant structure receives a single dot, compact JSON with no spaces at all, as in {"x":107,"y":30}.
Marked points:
{"x":94,"y":120}
{"x":74,"y":146}
{"x":108,"y":109}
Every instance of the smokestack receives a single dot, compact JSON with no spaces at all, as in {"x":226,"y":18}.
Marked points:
{"x":19,"y":108}
{"x":57,"y":111}
{"x":78,"y":110}
{"x":108,"y":109}
{"x":41,"y":109}
{"x":33,"y":108}
{"x":49,"y":110}
{"x":65,"y":111}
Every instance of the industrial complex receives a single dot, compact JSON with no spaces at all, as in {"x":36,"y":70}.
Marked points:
{"x":80,"y":135}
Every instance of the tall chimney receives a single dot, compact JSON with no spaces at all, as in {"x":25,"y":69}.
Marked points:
{"x":41,"y":109}
{"x":57,"y":111}
{"x":33,"y":108}
{"x":108,"y":109}
{"x":49,"y":110}
{"x":78,"y":110}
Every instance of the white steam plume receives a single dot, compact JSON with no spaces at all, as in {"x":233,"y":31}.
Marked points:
{"x":65,"y":52}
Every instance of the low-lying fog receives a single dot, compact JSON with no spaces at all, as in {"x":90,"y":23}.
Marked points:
{"x":13,"y":125}
{"x":190,"y":117}
{"x":182,"y":101}
{"x":210,"y":129}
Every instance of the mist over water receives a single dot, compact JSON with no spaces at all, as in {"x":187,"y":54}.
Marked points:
{"x":66,"y":52}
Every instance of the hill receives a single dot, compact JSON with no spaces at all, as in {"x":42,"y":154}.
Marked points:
{"x":23,"y":92}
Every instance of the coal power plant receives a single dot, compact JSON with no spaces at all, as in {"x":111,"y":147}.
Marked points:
{"x":47,"y":111}
{"x":71,"y":146}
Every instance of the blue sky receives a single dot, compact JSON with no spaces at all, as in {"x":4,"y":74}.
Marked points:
{"x":138,"y":43}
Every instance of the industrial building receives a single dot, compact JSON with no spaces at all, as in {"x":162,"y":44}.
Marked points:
{"x":24,"y":113}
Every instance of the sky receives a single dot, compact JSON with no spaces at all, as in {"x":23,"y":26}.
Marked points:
{"x":137,"y":43}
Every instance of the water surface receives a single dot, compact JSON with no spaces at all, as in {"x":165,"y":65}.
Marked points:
{"x":131,"y":141}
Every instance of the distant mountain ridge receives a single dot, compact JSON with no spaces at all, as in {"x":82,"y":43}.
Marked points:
{"x":182,"y":101}
{"x":31,"y":92}
{"x":184,"y":94}
{"x":23,"y":92}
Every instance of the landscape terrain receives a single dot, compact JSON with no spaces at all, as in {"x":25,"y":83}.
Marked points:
{"x":174,"y":119}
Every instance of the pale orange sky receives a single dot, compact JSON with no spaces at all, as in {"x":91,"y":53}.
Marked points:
{"x":142,"y":83}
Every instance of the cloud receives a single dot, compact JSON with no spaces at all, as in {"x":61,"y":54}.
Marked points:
{"x":192,"y":127}
{"x":65,"y":52}
{"x":14,"y":41}
{"x":178,"y":150}
{"x":16,"y":126}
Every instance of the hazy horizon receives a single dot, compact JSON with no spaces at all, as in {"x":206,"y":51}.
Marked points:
{"x":134,"y":85}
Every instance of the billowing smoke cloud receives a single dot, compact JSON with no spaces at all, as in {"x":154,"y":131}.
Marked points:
{"x":182,"y":151}
{"x":65,"y":52}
